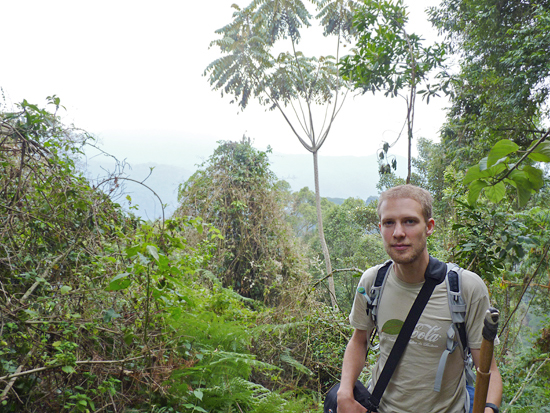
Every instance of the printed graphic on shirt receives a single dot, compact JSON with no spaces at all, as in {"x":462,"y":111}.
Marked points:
{"x":392,"y":327}
{"x":424,"y":334}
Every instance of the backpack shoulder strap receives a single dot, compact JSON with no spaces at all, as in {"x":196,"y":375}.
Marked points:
{"x":376,"y":291}
{"x":457,"y":304}
{"x":457,"y":330}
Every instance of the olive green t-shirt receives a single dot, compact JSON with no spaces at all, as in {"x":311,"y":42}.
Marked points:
{"x":411,"y":388}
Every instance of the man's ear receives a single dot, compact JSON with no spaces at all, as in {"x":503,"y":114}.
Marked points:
{"x":431,"y":227}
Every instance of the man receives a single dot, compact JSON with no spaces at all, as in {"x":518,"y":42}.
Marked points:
{"x":406,"y":222}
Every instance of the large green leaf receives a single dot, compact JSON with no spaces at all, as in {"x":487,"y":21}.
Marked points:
{"x":535,"y":176}
{"x":120,"y":282}
{"x":542,"y":153}
{"x":151,"y":249}
{"x":472,"y":174}
{"x":483,"y":164}
{"x":501,"y":149}
{"x":495,"y":193}
{"x":475,"y":189}
{"x":475,"y":172}
{"x":523,"y":186}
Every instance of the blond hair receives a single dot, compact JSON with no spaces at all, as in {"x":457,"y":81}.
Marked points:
{"x":420,"y":195}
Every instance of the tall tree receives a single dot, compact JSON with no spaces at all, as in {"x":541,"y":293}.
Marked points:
{"x":498,"y":120}
{"x":387,"y":57}
{"x":502,"y":88}
{"x":289,"y":81}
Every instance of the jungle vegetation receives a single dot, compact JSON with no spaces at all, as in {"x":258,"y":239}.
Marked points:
{"x":225,"y":305}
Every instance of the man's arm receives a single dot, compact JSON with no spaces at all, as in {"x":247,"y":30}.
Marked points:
{"x":354,"y":361}
{"x":494,"y":394}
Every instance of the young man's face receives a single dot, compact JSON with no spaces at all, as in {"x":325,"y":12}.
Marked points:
{"x":404,"y":229}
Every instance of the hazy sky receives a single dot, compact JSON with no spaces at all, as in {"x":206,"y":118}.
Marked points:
{"x":130,"y":72}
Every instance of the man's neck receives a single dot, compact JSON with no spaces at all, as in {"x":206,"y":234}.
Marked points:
{"x":412,"y":273}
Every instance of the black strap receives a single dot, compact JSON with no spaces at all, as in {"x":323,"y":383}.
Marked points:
{"x":378,"y":281}
{"x":401,"y":342}
{"x":454,"y":286}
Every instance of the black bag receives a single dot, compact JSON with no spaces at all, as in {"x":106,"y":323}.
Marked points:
{"x":360,"y":393}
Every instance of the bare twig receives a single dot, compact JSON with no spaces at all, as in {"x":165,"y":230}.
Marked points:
{"x":525,"y":382}
{"x":27,"y":372}
{"x":527,"y":284}
{"x":336,"y":271}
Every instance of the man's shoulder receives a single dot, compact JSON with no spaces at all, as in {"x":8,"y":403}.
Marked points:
{"x":473,"y":287}
{"x":370,"y":274}
{"x":470,"y":278}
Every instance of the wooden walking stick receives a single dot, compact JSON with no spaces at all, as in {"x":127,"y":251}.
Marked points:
{"x":483,"y":376}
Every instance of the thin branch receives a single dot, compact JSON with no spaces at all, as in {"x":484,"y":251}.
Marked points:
{"x":334,"y":111}
{"x":529,"y":152}
{"x":303,"y":125}
{"x":527,"y":284}
{"x":84,"y":362}
{"x":48,"y":268}
{"x":141,"y":183}
{"x":525,"y":382}
{"x":336,"y":271}
{"x":312,"y":134}
{"x":309,"y":148}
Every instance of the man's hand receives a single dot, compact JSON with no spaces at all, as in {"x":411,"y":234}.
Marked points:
{"x":349,"y":405}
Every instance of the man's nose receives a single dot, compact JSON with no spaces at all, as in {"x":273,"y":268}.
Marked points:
{"x":398,"y":231}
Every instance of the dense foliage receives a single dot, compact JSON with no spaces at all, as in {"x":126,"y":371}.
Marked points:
{"x":222,"y":308}
{"x":101,"y":311}
{"x":236,"y":192}
{"x":501,"y":91}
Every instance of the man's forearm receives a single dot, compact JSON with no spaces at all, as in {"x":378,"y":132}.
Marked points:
{"x":494,"y":393}
{"x":354,"y":361}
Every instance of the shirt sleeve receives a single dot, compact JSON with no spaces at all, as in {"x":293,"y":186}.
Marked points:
{"x":358,"y":317}
{"x":477,"y":300}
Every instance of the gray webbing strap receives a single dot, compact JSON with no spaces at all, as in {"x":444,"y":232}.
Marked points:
{"x":451,"y":346}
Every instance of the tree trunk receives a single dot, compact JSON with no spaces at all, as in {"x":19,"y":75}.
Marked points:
{"x":326,"y":254}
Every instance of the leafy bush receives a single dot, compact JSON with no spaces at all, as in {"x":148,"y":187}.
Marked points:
{"x":235,"y":191}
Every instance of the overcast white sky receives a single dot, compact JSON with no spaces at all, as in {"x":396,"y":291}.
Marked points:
{"x":130,"y":72}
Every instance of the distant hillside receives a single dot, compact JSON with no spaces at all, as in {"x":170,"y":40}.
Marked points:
{"x":340,"y":177}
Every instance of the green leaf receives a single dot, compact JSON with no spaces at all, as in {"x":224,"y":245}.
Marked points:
{"x":109,"y":315}
{"x":65,"y":289}
{"x":501,"y":149}
{"x":483,"y":164}
{"x":296,"y":364}
{"x":475,"y":189}
{"x":535,"y":176}
{"x":68,"y":369}
{"x":392,"y":327}
{"x":495,"y":193}
{"x":541,"y":153}
{"x":120,"y":282}
{"x":128,"y":338}
{"x":472,"y":174}
{"x":476,"y":173}
{"x":194,"y":408}
{"x":198,"y":394}
{"x":523,"y":186}
{"x":151,"y":249}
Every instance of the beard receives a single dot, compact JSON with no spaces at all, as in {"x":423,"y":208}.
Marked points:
{"x":408,"y":256}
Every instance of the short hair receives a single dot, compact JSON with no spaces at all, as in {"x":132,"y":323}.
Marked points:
{"x":420,"y":195}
